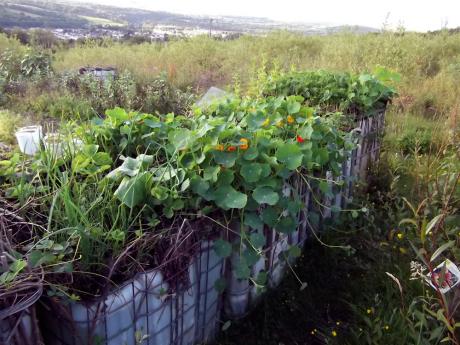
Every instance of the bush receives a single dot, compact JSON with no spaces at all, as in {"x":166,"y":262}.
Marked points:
{"x":9,"y":122}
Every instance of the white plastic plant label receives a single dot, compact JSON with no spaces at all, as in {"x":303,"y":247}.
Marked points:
{"x":445,"y":276}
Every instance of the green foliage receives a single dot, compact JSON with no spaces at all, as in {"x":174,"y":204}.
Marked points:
{"x":9,"y":122}
{"x":344,"y":91}
{"x":15,"y":65}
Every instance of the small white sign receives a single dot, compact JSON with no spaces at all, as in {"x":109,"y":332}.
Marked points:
{"x":445,"y":276}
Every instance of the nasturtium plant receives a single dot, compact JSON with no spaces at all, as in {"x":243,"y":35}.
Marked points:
{"x":241,"y":163}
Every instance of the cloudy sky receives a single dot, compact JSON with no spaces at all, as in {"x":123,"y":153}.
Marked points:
{"x":420,"y":15}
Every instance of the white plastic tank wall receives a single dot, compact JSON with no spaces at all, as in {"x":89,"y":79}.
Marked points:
{"x":29,"y":139}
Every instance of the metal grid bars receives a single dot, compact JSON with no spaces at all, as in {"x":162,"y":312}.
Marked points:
{"x":145,"y":310}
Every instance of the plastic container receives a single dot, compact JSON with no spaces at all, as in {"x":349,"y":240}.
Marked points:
{"x":29,"y":139}
{"x":56,"y":144}
{"x":145,"y":310}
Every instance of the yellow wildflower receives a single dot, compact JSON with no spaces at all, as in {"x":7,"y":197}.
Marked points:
{"x":400,"y":235}
{"x":266,"y":122}
{"x":220,"y":147}
{"x":387,"y":328}
{"x":369,"y":311}
{"x":334,"y":333}
{"x":403,"y":250}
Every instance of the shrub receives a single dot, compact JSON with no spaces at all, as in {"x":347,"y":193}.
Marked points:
{"x":9,"y":122}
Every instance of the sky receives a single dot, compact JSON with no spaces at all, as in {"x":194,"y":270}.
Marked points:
{"x":419,"y":15}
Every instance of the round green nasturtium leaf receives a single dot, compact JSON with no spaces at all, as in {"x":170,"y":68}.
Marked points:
{"x":290,"y":155}
{"x":226,"y":177}
{"x":242,"y":270}
{"x":286,"y":225}
{"x":251,"y":153}
{"x":293,"y":107}
{"x":255,"y":121}
{"x":253,"y":220}
{"x":295,"y":251}
{"x":265,"y":195}
{"x":222,"y":248}
{"x":210,"y":173}
{"x":251,"y":256}
{"x":227,"y":159}
{"x":257,"y":240}
{"x":180,"y":138}
{"x":199,"y":185}
{"x":251,"y":172}
{"x":270,"y":216}
{"x":227,"y":197}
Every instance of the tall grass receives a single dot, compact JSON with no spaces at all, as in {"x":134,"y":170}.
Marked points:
{"x":429,"y":64}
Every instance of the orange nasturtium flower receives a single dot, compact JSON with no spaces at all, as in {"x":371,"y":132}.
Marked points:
{"x":244,"y":144}
{"x":220,"y":147}
{"x":290,"y":119}
{"x":231,"y":148}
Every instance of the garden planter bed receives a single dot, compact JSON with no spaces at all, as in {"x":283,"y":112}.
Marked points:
{"x":184,"y":221}
{"x":146,"y":307}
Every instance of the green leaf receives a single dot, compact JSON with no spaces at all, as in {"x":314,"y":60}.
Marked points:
{"x":242,"y":270}
{"x":227,"y":197}
{"x":324,"y":187}
{"x":270,"y":216}
{"x":118,"y":115}
{"x":433,"y":223}
{"x":253,"y":220}
{"x":257,"y":240}
{"x":441,"y":249}
{"x":227,"y":159}
{"x":290,"y":154}
{"x":222,"y":248}
{"x":295,"y":251}
{"x":251,"y":153}
{"x":133,"y":191}
{"x":199,"y":186}
{"x":293,"y":107}
{"x":265,"y":195}
{"x":180,"y":138}
{"x":159,"y":192}
{"x":102,"y":158}
{"x":37,"y":258}
{"x":251,"y":256}
{"x":322,"y":156}
{"x":226,"y":177}
{"x":210,"y":173}
{"x":255,"y":121}
{"x":251,"y":172}
{"x":286,"y":225}
{"x":185,"y":185}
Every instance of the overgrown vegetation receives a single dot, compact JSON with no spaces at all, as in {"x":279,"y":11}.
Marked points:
{"x":237,"y":156}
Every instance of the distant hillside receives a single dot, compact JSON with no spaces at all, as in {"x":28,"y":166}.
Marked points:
{"x":55,"y":14}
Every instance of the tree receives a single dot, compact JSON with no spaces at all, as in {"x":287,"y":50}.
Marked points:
{"x":43,"y":38}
